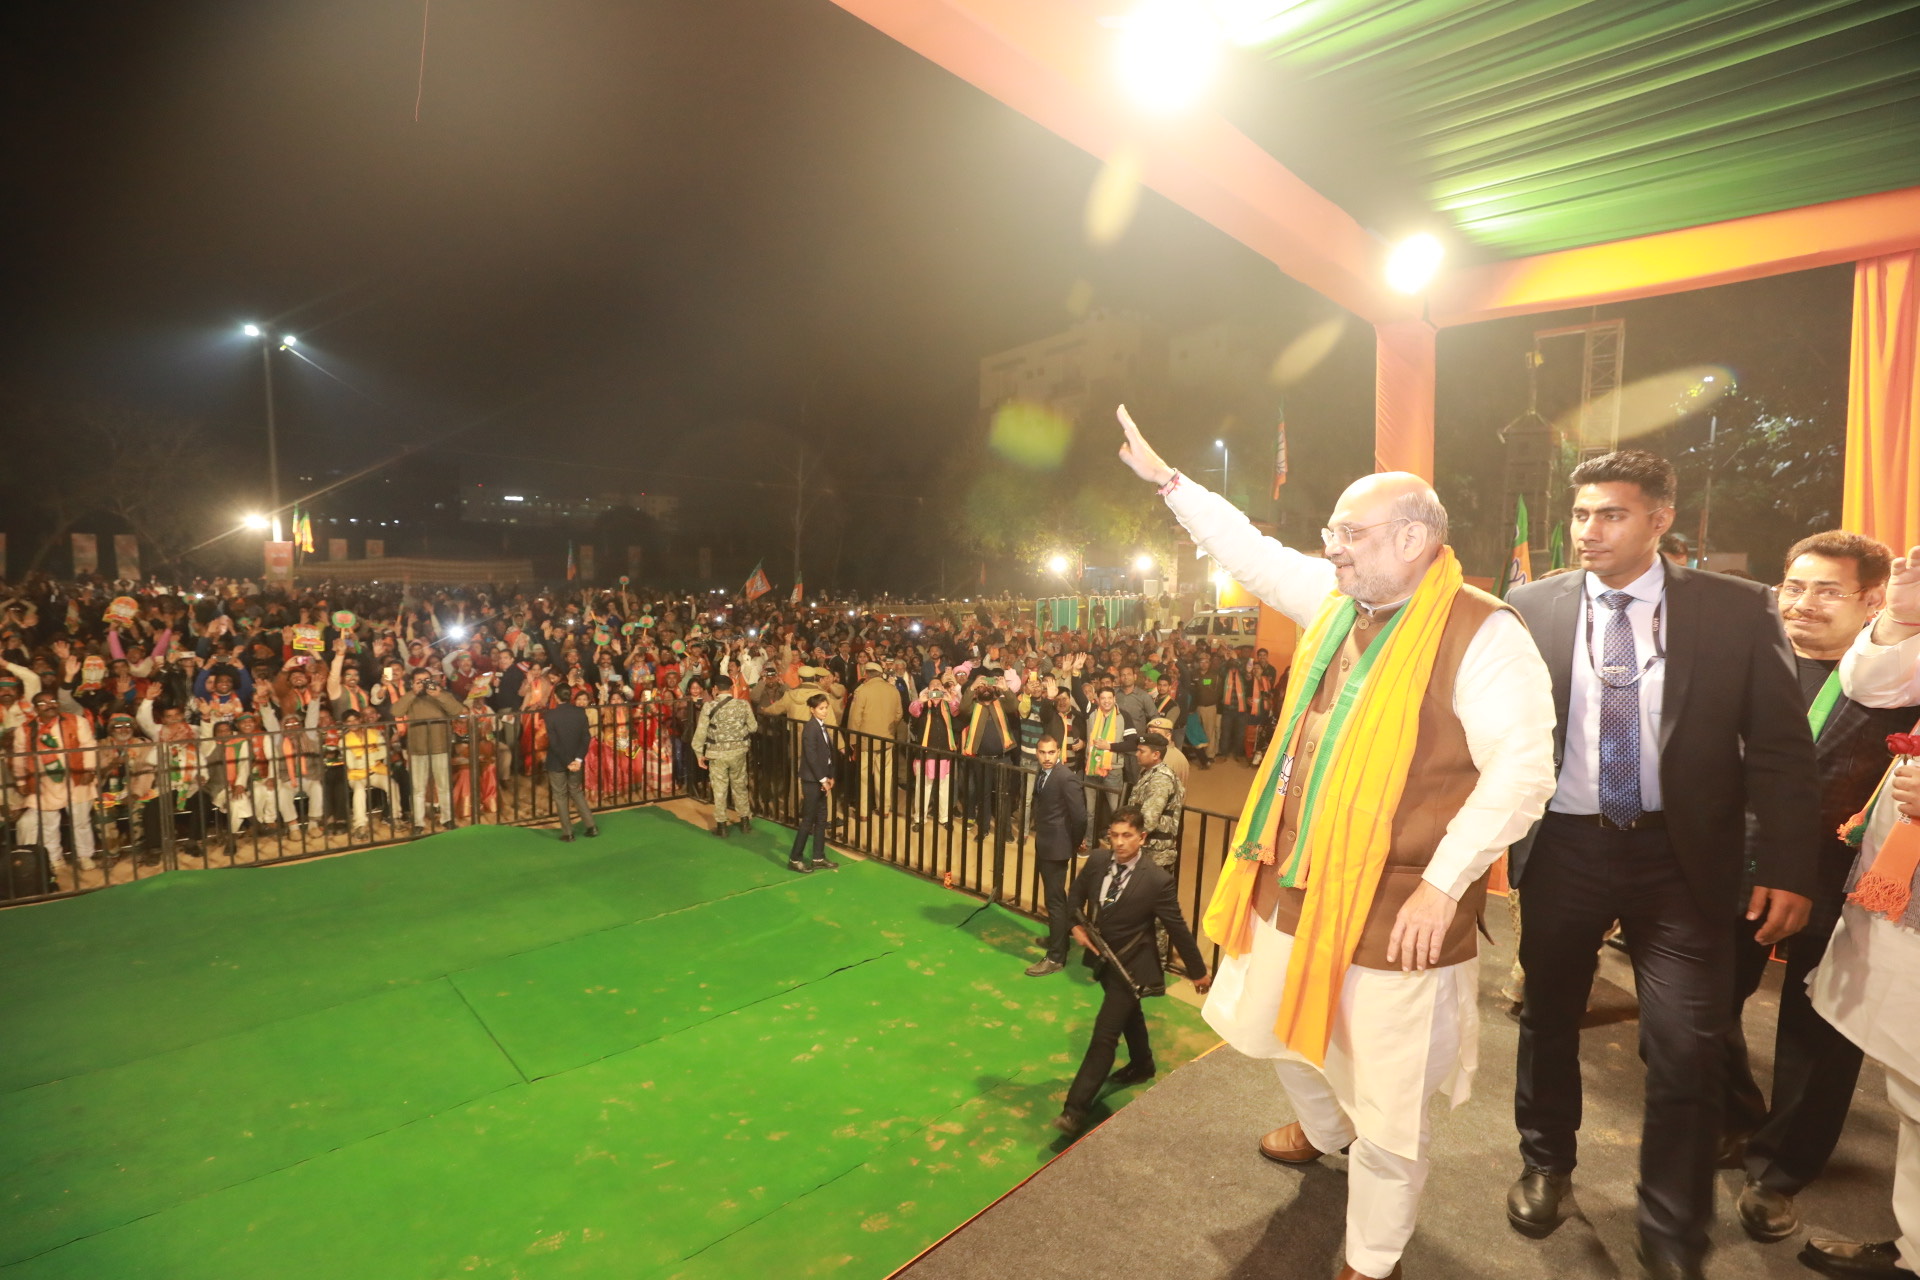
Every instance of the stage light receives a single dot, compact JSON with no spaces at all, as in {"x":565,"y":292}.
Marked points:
{"x":1167,"y":53}
{"x":252,"y":330}
{"x":1058,"y":564}
{"x":1708,"y":378}
{"x":1413,"y":263}
{"x":456,"y":633}
{"x":254,"y":520}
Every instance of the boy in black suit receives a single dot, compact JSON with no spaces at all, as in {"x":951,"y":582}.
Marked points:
{"x":1122,"y":894}
{"x":818,"y":759}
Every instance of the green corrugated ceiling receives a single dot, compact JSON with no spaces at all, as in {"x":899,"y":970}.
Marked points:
{"x":1532,"y":125}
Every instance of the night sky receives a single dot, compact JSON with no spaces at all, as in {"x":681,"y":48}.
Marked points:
{"x":620,"y":235}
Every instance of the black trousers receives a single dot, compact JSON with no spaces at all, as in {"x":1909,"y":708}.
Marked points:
{"x":813,"y":822}
{"x":1120,"y":1015}
{"x":1578,"y":880}
{"x":1815,"y":1068}
{"x":1053,"y":879}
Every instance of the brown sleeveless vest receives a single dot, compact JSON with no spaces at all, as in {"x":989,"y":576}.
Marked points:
{"x":1439,"y":780}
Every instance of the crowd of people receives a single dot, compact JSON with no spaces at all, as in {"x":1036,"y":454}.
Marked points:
{"x":224,"y":713}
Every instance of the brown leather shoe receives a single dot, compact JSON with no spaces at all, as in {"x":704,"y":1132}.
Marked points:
{"x":1348,"y":1273}
{"x":1288,"y":1144}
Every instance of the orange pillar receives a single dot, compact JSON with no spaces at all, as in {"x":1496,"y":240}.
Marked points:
{"x":1882,"y":489}
{"x":1403,"y":397}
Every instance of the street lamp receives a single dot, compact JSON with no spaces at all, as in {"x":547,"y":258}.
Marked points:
{"x":1143,"y":562}
{"x":1225,"y":458}
{"x":287,"y":342}
{"x":1058,"y":564}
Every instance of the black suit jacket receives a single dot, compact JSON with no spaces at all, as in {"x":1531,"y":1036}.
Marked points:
{"x":1059,"y":814}
{"x":1127,"y":925}
{"x":566,"y":736}
{"x":817,"y":755}
{"x":1733,"y":730}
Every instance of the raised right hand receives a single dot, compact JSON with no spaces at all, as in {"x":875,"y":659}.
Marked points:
{"x":1147,"y":464}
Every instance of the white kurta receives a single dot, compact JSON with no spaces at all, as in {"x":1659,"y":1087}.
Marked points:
{"x":1868,"y":983}
{"x":1384,"y":1045}
{"x":1382,"y":1051}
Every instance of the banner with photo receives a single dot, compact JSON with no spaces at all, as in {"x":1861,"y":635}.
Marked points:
{"x":279,"y":563}
{"x":336,"y":548}
{"x":376,"y":548}
{"x":86,"y":554}
{"x":126,"y":556}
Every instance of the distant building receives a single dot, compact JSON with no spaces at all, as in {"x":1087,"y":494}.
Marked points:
{"x":547,"y":508}
{"x":1104,"y":354}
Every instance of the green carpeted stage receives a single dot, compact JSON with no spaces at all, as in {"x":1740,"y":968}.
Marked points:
{"x":491,"y":1054}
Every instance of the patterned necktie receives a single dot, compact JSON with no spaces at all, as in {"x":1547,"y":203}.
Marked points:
{"x":1619,"y":716}
{"x":1115,"y":887}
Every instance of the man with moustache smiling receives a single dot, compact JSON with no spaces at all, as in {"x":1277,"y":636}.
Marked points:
{"x":1835,"y":584}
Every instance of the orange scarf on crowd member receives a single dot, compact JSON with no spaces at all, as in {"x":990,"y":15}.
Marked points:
{"x":55,"y":749}
{"x":973,"y":729}
{"x":1100,"y":760}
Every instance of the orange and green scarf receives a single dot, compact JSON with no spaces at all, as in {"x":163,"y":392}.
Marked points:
{"x":1352,"y":787}
{"x":1885,"y":888}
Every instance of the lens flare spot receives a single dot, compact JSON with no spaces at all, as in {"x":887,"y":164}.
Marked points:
{"x":1115,"y":196}
{"x":1304,"y":354}
{"x":1030,"y":435}
{"x":1653,"y":403}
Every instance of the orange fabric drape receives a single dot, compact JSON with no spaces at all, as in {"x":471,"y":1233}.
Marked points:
{"x":1403,"y":378}
{"x":1882,"y":497}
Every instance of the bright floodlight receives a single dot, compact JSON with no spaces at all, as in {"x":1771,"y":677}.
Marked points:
{"x":1219,"y":444}
{"x":252,"y":330}
{"x":1413,"y":263}
{"x":1143,"y":562}
{"x":456,"y":633}
{"x":1057,"y":563}
{"x":1167,"y":53}
{"x":255,"y":520}
{"x":287,"y":340}
{"x":1708,"y":378}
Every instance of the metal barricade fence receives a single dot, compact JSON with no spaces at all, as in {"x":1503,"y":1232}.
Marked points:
{"x":962,"y":820}
{"x":79,"y":819}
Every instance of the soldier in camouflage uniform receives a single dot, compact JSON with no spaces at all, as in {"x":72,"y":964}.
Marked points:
{"x":1159,"y":796}
{"x":720,"y":744}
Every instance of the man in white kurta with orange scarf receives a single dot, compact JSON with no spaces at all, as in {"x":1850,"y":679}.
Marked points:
{"x":1415,"y":744}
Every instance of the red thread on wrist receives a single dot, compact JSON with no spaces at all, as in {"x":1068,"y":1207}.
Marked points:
{"x":1173,"y":482}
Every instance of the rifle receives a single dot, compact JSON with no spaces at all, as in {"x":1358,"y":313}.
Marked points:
{"x":1109,"y":956}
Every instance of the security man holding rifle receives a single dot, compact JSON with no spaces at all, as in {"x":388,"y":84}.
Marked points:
{"x":1114,"y":902}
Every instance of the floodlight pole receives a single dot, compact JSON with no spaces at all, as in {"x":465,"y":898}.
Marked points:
{"x":273,"y":440}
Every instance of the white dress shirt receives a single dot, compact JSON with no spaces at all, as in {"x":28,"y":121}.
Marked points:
{"x":1579,"y":789}
{"x":1503,"y":693}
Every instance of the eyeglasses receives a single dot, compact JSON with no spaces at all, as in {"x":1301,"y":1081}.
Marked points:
{"x":1347,"y":535}
{"x":1793,"y":593}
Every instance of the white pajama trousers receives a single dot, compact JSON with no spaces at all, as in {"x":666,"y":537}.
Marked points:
{"x":42,"y":827}
{"x":1398,"y":1038}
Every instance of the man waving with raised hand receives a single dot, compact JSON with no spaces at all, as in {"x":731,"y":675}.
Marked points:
{"x":1415,"y":743}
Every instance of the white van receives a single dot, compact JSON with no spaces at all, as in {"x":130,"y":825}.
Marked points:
{"x":1243,"y":621}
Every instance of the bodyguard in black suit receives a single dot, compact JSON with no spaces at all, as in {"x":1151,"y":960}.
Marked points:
{"x":1059,"y":829}
{"x":1834,"y":585}
{"x":818,"y":762}
{"x":1123,"y":894}
{"x":1679,"y":713}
